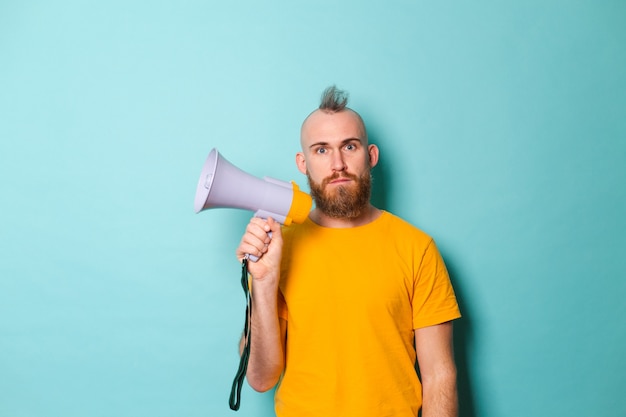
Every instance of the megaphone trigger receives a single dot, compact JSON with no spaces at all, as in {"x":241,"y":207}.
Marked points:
{"x":256,"y":258}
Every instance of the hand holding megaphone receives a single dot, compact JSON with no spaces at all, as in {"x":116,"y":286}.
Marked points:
{"x":223,"y":185}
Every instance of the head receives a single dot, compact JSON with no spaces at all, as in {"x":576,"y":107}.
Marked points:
{"x":336,"y":157}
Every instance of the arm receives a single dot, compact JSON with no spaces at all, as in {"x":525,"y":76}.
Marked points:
{"x":267,"y":358}
{"x":435,"y":356}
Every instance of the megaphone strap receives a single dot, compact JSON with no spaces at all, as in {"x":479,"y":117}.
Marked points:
{"x":235,"y":393}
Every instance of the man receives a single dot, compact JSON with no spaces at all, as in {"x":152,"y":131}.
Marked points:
{"x":346,"y":302}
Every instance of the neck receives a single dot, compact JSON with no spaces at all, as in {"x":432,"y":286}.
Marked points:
{"x":370,"y":214}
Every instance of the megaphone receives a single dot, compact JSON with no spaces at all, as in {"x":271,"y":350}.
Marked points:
{"x":223,"y":185}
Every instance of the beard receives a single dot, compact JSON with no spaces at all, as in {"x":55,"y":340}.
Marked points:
{"x":344,"y":202}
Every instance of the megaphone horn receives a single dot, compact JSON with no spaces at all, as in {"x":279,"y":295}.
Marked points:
{"x":223,"y":185}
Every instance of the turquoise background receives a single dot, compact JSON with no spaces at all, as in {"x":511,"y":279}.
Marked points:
{"x":502,"y":128}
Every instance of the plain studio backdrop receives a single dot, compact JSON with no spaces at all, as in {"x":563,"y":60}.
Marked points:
{"x":502,"y":129}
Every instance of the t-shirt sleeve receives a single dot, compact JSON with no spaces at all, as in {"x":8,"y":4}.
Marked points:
{"x":434,"y":301}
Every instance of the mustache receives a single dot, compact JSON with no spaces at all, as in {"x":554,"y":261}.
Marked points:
{"x":337,"y":176}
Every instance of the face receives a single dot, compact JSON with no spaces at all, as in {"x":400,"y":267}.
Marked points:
{"x":337,"y":160}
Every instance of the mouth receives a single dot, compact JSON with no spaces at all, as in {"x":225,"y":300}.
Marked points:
{"x":340,"y":180}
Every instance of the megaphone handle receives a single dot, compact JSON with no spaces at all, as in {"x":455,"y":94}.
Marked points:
{"x":256,"y":258}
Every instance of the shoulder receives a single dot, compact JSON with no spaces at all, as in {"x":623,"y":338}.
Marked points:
{"x":295,"y":229}
{"x":396,"y":224}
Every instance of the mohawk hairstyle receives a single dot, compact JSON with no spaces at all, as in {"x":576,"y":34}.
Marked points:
{"x":333,"y":100}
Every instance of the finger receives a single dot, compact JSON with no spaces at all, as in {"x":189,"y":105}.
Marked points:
{"x":275,"y":227}
{"x":254,"y":247}
{"x":256,"y":238}
{"x":259,"y":228}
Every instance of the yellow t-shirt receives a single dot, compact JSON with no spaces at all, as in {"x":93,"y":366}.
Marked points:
{"x":352,"y":298}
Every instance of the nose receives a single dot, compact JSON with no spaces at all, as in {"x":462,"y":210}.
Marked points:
{"x":337,"y":162}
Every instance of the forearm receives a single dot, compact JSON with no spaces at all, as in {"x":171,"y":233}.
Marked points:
{"x":440,"y":395}
{"x":266,"y":361}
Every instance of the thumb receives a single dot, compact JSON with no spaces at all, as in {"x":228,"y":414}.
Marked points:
{"x":275,"y":228}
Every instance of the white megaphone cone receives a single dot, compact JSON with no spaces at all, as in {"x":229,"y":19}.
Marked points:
{"x":223,"y":185}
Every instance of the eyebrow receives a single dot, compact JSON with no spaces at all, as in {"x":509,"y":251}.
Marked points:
{"x":343,"y":142}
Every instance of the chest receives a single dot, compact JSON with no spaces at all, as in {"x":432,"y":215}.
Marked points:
{"x":332,"y":281}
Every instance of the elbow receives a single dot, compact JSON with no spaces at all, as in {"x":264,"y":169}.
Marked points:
{"x":262,"y":380}
{"x":262,"y":384}
{"x":446,"y":376}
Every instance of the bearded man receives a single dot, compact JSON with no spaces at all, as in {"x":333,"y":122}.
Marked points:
{"x":349,"y":303}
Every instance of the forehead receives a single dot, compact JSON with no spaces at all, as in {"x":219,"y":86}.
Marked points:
{"x":331,"y":128}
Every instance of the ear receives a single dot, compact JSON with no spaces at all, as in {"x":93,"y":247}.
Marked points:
{"x":372,"y":151}
{"x":301,"y":162}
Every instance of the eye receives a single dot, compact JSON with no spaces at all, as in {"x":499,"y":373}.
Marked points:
{"x":320,"y":150}
{"x":350,"y":147}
